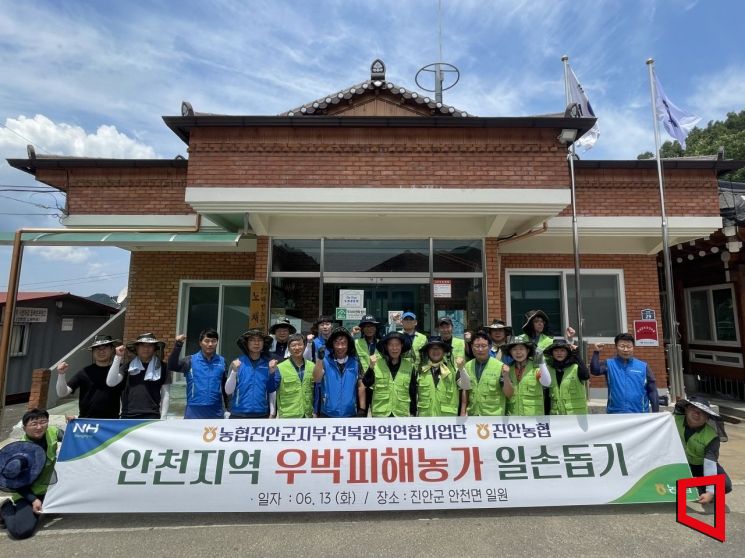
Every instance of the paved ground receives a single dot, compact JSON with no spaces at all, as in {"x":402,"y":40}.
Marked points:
{"x":637,"y":530}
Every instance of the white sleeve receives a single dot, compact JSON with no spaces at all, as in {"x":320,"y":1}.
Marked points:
{"x":308,"y":352}
{"x":230,"y":382}
{"x":114,"y":377}
{"x":273,"y":404}
{"x":63,"y":390}
{"x":545,"y":378}
{"x":710,"y":468}
{"x":165,"y":400}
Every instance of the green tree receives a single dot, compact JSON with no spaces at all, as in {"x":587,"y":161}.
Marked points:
{"x":729,"y":134}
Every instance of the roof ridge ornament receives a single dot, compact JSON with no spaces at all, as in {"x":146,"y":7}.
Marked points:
{"x":377,"y":70}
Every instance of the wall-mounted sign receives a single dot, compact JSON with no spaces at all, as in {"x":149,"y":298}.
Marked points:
{"x":350,"y":313}
{"x":30,"y":315}
{"x":67,"y":324}
{"x":442,"y":288}
{"x":645,"y":333}
{"x":351,"y":298}
{"x":649,"y":314}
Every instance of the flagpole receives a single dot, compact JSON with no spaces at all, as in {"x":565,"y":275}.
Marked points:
{"x":674,"y":350}
{"x":575,"y":229}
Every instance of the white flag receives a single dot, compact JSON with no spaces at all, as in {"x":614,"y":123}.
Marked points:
{"x":676,"y":121}
{"x":577,"y":95}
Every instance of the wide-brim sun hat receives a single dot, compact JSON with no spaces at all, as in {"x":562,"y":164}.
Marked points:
{"x":499,"y":324}
{"x":100,"y":340}
{"x":246,"y":335}
{"x":434,"y":341}
{"x":341,"y":332}
{"x":701,"y":404}
{"x":507,"y":348}
{"x":282,"y":322}
{"x":382,"y":345}
{"x":148,"y":339}
{"x":558,"y":343}
{"x":21,"y":463}
{"x":530,"y":316}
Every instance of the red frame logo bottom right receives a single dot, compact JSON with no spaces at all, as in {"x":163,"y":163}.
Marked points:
{"x":716,"y":531}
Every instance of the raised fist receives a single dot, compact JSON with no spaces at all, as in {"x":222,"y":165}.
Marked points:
{"x":181,"y":338}
{"x":273,"y":364}
{"x":373,"y":359}
{"x":570,"y":332}
{"x":460,"y":362}
{"x":310,"y":337}
{"x":236,"y":364}
{"x":598,"y":346}
{"x":321,"y":353}
{"x":62,"y":368}
{"x":356,"y":330}
{"x":467,"y":336}
{"x":120,"y":350}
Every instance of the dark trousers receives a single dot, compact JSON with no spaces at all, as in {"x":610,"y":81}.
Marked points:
{"x":20,"y":519}
{"x":698,"y":471}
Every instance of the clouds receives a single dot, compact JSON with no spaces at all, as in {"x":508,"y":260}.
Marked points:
{"x":718,"y":93}
{"x":67,"y":139}
{"x":68,"y":254}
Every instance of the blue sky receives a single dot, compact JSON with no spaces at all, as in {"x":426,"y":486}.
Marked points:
{"x":93,"y":78}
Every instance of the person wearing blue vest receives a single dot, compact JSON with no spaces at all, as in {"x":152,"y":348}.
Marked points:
{"x":339,"y":372}
{"x":280,"y":333}
{"x":205,"y":372}
{"x":249,"y":382}
{"x":317,"y":338}
{"x":631,"y":384}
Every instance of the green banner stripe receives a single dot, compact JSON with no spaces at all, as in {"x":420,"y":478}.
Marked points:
{"x":111,"y":440}
{"x":652,"y":487}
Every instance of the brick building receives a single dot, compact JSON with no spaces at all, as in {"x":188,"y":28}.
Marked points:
{"x":381,"y":189}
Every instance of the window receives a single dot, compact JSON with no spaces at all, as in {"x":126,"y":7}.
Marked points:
{"x":223,"y":306}
{"x":376,"y":256}
{"x":712,"y":315}
{"x":553,"y":291}
{"x":457,"y":255}
{"x":713,"y":357}
{"x":19,"y":340}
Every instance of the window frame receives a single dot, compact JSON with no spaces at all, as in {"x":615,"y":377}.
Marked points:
{"x":23,"y":350}
{"x":183,"y":296}
{"x":709,"y":289}
{"x":562,"y":273}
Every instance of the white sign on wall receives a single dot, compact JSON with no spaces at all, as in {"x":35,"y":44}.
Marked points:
{"x":351,"y":298}
{"x":30,"y":315}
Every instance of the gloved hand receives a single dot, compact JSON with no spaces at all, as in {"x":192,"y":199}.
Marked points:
{"x":463,"y":381}
{"x":538,"y":358}
{"x":361,"y":413}
{"x":321,"y":353}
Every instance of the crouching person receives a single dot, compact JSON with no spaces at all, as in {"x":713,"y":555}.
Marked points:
{"x":26,"y":470}
{"x":701,"y":442}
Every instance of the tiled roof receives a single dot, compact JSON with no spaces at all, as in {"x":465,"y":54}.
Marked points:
{"x":377,"y":82}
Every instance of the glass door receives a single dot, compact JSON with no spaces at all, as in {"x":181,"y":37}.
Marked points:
{"x":383,"y":297}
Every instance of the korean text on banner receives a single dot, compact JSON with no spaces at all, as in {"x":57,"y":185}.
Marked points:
{"x":366,"y":464}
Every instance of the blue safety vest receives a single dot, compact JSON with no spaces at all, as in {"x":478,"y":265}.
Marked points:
{"x":339,"y":396}
{"x":204,"y":380}
{"x":252,"y":390}
{"x":627,"y":386}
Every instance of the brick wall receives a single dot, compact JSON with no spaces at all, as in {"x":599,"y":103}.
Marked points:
{"x":154,"y":285}
{"x":636,"y":192}
{"x":328,"y":157}
{"x":641,"y":288}
{"x":124,"y":191}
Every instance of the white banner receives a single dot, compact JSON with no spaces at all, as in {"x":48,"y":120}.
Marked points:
{"x":365,"y":464}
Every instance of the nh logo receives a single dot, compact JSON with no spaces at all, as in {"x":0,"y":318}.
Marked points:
{"x":85,"y":428}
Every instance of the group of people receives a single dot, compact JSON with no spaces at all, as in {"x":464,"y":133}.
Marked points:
{"x":336,"y":373}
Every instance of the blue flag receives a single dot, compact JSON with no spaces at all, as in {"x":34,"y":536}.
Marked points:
{"x":676,"y":121}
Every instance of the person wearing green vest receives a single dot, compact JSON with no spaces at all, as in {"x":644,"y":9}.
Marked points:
{"x":489,"y":390}
{"x":416,"y":340}
{"x":391,"y":378}
{"x":701,"y":441}
{"x":293,"y":381}
{"x":536,"y":323}
{"x":570,"y":375}
{"x":437,"y":389}
{"x":527,"y":378}
{"x":27,"y":472}
{"x":456,"y":347}
{"x":366,"y":343}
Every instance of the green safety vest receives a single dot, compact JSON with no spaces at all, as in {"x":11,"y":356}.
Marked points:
{"x":362,"y":352}
{"x":41,"y":484}
{"x":527,"y":399}
{"x":294,"y":397}
{"x":544,"y":341}
{"x":391,"y":395}
{"x":458,"y":349}
{"x":442,"y":400}
{"x":571,"y":398}
{"x":695,"y":447}
{"x":414,"y":355}
{"x":486,"y":397}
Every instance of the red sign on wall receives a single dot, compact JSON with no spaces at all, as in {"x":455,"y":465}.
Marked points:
{"x":645,"y":333}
